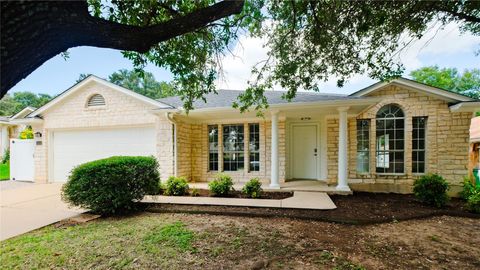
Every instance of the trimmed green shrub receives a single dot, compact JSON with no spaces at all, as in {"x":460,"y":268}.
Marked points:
{"x":253,"y":188}
{"x":222,"y":185}
{"x":176,"y":186}
{"x":112,"y":185}
{"x":468,"y":188}
{"x":432,"y":189}
{"x":471,"y":193}
{"x":473,"y":202}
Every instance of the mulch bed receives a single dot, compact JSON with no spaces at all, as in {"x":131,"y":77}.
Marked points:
{"x":360,"y":208}
{"x":275,"y":195}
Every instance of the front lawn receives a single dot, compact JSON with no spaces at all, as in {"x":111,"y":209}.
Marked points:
{"x":187,"y":241}
{"x":4,"y":171}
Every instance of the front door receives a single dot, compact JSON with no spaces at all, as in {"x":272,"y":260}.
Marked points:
{"x":305,"y":151}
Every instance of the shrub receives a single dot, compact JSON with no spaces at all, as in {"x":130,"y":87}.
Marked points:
{"x":253,"y":188}
{"x":471,"y":193}
{"x":112,"y":185}
{"x":6,"y":156}
{"x":468,"y":188}
{"x":176,"y":186}
{"x":432,"y":189}
{"x":473,"y":202}
{"x":27,"y":133}
{"x":195,"y":192}
{"x":221,"y":186}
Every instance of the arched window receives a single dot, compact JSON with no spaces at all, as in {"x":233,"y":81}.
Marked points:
{"x":96,"y":100}
{"x":390,"y":140}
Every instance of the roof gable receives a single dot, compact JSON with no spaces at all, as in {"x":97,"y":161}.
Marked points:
{"x":93,"y":79}
{"x":23,"y":113}
{"x":410,"y":84}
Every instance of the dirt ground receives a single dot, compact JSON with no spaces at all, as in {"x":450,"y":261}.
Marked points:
{"x":280,"y":243}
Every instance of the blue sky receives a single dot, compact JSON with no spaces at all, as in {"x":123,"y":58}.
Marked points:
{"x":447,"y":48}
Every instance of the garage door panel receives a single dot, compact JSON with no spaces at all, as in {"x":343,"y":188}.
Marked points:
{"x":71,"y":148}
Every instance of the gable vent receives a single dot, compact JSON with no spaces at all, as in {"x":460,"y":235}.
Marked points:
{"x":96,"y":100}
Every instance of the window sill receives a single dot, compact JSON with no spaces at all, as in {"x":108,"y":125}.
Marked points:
{"x":391,"y":174}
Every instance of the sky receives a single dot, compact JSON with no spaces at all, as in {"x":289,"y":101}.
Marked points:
{"x":443,"y":47}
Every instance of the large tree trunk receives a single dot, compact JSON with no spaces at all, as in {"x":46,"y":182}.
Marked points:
{"x":33,"y":32}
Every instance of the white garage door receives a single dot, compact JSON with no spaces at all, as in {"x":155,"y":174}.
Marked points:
{"x":71,"y":148}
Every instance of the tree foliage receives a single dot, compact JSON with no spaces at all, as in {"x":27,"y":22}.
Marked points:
{"x":308,"y":41}
{"x":143,"y":83}
{"x":466,"y":83}
{"x":10,"y":105}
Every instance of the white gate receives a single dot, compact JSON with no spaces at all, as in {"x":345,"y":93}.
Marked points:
{"x":22,"y":166}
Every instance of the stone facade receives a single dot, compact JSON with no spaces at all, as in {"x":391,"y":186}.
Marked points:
{"x":120,"y":111}
{"x":447,"y":138}
{"x":182,"y":144}
{"x":193,"y":152}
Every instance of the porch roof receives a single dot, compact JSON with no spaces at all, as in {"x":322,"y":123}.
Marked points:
{"x":225,"y":98}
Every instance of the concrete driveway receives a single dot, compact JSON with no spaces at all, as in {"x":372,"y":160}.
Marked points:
{"x":27,"y":206}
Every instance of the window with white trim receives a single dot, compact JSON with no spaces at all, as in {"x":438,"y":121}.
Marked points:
{"x":363,"y":145}
{"x":233,"y":147}
{"x":418,"y":144}
{"x":390,"y":140}
{"x":96,"y":100}
{"x":254,"y":147}
{"x":213,"y":148}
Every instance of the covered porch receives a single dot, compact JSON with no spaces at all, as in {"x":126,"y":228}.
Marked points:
{"x":302,"y":146}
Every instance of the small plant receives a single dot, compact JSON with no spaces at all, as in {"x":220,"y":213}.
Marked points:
{"x":473,"y":202}
{"x":222,"y":185}
{"x":6,"y":156}
{"x":112,"y":185}
{"x":194,"y":192}
{"x":471,"y":194}
{"x":253,"y":188}
{"x":27,"y":133}
{"x":176,"y":186}
{"x":432,"y":190}
{"x":468,"y":188}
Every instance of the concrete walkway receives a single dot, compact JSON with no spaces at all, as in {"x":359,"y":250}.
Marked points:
{"x":29,"y":207}
{"x":300,"y":200}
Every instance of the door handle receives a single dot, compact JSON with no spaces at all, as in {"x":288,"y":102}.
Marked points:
{"x":315,"y":152}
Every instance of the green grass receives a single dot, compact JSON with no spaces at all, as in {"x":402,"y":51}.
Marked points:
{"x":144,"y":241}
{"x":4,"y":171}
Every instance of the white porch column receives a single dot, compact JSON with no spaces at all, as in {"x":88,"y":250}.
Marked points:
{"x":274,"y":148}
{"x":342,"y":150}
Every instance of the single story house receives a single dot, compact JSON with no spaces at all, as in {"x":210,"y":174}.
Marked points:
{"x":379,"y":138}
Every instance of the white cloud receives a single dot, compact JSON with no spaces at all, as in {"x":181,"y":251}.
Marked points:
{"x":437,"y":43}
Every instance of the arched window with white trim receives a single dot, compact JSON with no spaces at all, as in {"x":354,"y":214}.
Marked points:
{"x":96,"y":100}
{"x":390,"y":140}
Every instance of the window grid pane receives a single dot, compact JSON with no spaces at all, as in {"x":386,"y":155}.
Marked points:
{"x":363,"y":141}
{"x":213,"y":148}
{"x":390,"y":136}
{"x":418,"y":144}
{"x":254,"y":147}
{"x":233,"y":147}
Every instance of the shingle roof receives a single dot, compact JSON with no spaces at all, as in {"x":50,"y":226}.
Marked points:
{"x":225,"y":98}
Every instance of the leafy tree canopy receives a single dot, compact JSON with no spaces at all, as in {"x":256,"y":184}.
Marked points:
{"x":10,"y":105}
{"x":141,"y":82}
{"x":466,"y":83}
{"x":308,"y":41}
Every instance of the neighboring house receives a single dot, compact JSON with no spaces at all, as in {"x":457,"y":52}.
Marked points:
{"x":378,"y":139}
{"x":11,"y":126}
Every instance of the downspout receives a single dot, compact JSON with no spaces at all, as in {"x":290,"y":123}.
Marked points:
{"x":169,"y":116}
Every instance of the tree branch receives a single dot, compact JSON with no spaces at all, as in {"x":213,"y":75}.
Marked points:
{"x":35,"y":31}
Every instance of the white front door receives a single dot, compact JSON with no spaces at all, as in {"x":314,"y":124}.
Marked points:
{"x":305,"y":151}
{"x":74,"y":147}
{"x":22,"y":165}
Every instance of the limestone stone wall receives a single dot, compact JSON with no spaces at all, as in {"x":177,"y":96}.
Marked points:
{"x":447,"y":137}
{"x":120,"y":111}
{"x":193,"y":153}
